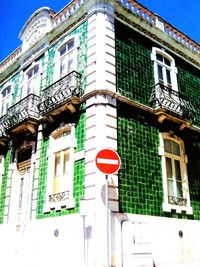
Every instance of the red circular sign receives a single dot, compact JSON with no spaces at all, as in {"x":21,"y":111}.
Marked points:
{"x":108,"y":161}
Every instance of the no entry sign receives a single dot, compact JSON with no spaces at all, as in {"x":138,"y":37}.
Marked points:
{"x":108,"y":161}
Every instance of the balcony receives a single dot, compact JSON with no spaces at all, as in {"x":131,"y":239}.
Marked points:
{"x":22,"y":116}
{"x":3,"y":135}
{"x":62,"y":95}
{"x":170,"y":104}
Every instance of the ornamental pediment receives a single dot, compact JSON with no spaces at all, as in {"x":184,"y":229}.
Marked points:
{"x":36,"y":27}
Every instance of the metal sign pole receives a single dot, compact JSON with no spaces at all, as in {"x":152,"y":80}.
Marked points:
{"x":107,"y":221}
{"x":108,"y":162}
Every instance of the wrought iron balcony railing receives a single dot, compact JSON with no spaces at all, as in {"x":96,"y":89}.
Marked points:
{"x":172,"y":102}
{"x":25,"y":109}
{"x":2,"y":130}
{"x":57,"y":197}
{"x":180,"y":201}
{"x":60,"y":92}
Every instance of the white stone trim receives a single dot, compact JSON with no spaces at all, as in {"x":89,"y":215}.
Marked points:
{"x":35,"y":80}
{"x":172,"y":68}
{"x":56,"y":145}
{"x":185,"y":186}
{"x":101,"y":73}
{"x":74,"y":50}
{"x":9,"y":97}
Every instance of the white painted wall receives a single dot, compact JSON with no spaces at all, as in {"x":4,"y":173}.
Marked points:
{"x":36,"y":245}
{"x":139,"y":241}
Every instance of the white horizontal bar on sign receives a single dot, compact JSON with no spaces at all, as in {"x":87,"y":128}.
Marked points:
{"x":108,"y":161}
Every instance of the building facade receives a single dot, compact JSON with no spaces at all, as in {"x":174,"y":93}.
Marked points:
{"x":100,"y":74}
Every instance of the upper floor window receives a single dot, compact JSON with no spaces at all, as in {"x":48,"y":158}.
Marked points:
{"x":32,"y":81}
{"x":61,"y":153}
{"x":165,"y":71}
{"x":174,"y":170}
{"x":66,"y":57}
{"x":6,"y":99}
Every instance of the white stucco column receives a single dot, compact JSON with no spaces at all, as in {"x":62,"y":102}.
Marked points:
{"x":101,"y":127}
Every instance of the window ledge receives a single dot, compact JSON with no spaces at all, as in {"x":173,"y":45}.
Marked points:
{"x":68,"y":204}
{"x":169,"y":207}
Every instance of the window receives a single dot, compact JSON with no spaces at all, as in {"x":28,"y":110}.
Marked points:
{"x":165,"y":70}
{"x":174,"y":170}
{"x":66,"y":57}
{"x":32,"y":81}
{"x":6,"y":99}
{"x":61,"y":170}
{"x":21,"y":185}
{"x":61,"y":153}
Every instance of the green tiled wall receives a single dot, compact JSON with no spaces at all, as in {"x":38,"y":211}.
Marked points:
{"x":189,"y":84}
{"x":193,"y":153}
{"x":3,"y":186}
{"x":140,"y":176}
{"x":134,"y":65}
{"x":42,"y":178}
{"x":80,"y":133}
{"x":135,"y":76}
{"x":140,"y":182}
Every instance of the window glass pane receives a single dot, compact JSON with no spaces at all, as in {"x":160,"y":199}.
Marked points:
{"x":57,"y":168}
{"x":70,"y":62}
{"x":169,"y":167}
{"x":168,"y":78}
{"x":21,"y":192}
{"x":3,"y":93}
{"x":167,"y":61}
{"x":62,"y":66}
{"x":29,"y":74}
{"x":56,"y":185}
{"x":170,"y":187}
{"x":66,"y":161}
{"x":159,"y":57}
{"x":36,"y":69}
{"x":63,"y":50}
{"x":29,"y":88}
{"x":70,"y":44}
{"x":160,"y":73}
{"x":179,"y":189}
{"x":8,"y":89}
{"x":175,"y":148}
{"x":177,"y":170}
{"x":167,"y":146}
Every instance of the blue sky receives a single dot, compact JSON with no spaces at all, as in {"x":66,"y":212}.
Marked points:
{"x":182,"y":14}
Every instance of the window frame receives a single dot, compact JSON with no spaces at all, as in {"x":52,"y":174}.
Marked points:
{"x":7,"y":99}
{"x":34,"y":80}
{"x":167,"y":206}
{"x":58,"y":57}
{"x":61,"y":145}
{"x":172,"y":68}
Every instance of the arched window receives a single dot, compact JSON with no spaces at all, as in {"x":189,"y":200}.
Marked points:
{"x":61,"y":153}
{"x":32,"y":79}
{"x":174,"y":170}
{"x":165,"y":71}
{"x":66,"y":53}
{"x":6,"y":98}
{"x":66,"y":57}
